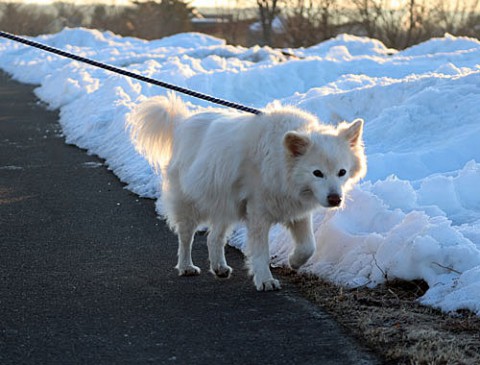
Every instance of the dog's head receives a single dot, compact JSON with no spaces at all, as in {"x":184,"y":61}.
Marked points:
{"x":326,"y":163}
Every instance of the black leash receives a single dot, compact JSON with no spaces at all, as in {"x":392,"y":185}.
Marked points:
{"x":130,"y":74}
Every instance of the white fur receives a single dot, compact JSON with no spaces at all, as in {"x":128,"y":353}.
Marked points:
{"x":221,"y":168}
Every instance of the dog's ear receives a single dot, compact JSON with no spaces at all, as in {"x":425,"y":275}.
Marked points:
{"x":296,"y":143}
{"x":352,"y":132}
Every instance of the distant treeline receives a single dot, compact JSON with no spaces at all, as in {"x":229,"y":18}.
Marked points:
{"x":279,"y":23}
{"x":144,"y":20}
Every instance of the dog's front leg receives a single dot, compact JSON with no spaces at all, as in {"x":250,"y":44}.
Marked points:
{"x":259,"y":255}
{"x":302,"y":233}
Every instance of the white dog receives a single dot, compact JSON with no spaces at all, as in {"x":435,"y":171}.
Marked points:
{"x":220,"y":168}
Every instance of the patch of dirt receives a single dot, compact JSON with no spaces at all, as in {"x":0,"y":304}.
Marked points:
{"x":390,"y":321}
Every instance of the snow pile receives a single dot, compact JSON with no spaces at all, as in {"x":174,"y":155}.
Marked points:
{"x":416,"y":215}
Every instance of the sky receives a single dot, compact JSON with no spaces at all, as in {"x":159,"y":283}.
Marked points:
{"x":196,"y":3}
{"x":215,"y":3}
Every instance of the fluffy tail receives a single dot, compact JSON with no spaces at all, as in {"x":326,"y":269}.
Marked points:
{"x":152,"y":124}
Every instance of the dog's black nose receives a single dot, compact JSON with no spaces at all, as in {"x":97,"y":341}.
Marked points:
{"x":334,"y":200}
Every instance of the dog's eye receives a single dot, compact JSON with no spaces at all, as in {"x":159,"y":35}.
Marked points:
{"x":318,"y":173}
{"x":342,"y":172}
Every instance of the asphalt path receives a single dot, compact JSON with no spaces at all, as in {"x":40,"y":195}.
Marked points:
{"x":86,"y":270}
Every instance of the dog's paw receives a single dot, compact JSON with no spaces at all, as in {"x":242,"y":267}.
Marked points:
{"x":190,"y":270}
{"x":298,"y":259}
{"x":296,"y":262}
{"x":222,"y":271}
{"x":268,"y":285}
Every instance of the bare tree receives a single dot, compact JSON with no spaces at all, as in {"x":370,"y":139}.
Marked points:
{"x":328,"y":10}
{"x":391,"y":24}
{"x":113,"y":18}
{"x":457,"y":16}
{"x":420,"y":26}
{"x":397,"y":27}
{"x":236,"y":19}
{"x":268,"y":10}
{"x":72,"y":15}
{"x":306,"y":22}
{"x":26,"y":19}
{"x":153,"y":19}
{"x":367,"y":14}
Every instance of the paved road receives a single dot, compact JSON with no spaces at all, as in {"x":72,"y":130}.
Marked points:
{"x":86,"y":271}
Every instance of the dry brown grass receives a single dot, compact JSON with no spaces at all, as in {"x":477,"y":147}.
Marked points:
{"x":390,"y":321}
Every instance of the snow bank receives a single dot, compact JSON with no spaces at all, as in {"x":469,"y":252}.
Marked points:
{"x":416,"y":215}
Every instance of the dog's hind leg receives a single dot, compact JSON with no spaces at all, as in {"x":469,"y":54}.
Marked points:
{"x":185,"y":266}
{"x":259,"y":255}
{"x":182,"y":218}
{"x":302,"y":234}
{"x":216,"y":252}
